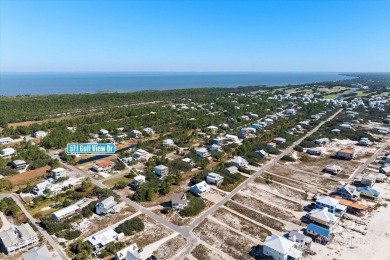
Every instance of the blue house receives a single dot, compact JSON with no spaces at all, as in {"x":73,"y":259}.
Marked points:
{"x":319,"y":231}
{"x":368,"y":192}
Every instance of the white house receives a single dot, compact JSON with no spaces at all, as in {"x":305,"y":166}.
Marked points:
{"x":280,"y":248}
{"x":202,"y":152}
{"x":291,"y":111}
{"x":58,"y":173}
{"x":333,"y":205}
{"x":161,"y":170}
{"x":103,"y":132}
{"x":139,"y":179}
{"x":279,"y":140}
{"x":19,"y":165}
{"x":148,"y":131}
{"x":41,"y":187}
{"x":135,"y":134}
{"x":5,"y":140}
{"x":140,"y":154}
{"x":239,"y":161}
{"x":214,"y":178}
{"x":231,"y":138}
{"x":40,"y":134}
{"x":179,"y":201}
{"x":247,"y":130}
{"x":6,"y":152}
{"x":215,"y":147}
{"x":102,"y":238}
{"x":232,"y":169}
{"x":65,"y":212}
{"x":106,"y":206}
{"x":212,"y":128}
{"x":17,"y":237}
{"x":200,"y":188}
{"x":262,"y":153}
{"x":38,"y":253}
{"x":129,"y":253}
{"x":168,"y":142}
{"x":324,"y":217}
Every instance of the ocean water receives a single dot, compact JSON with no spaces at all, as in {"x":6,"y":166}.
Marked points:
{"x":12,"y":84}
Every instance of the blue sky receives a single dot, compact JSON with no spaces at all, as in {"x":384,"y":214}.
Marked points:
{"x":183,"y":35}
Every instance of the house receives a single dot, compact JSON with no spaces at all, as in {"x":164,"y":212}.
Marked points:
{"x":19,"y":165}
{"x":139,"y":179}
{"x":318,"y":231}
{"x":7,"y":152}
{"x":40,"y":134}
{"x":368,"y":180}
{"x":345,"y":126}
{"x":212,"y":129}
{"x":202,"y":152}
{"x":322,"y":141}
{"x":102,"y":238}
{"x":129,"y":253}
{"x":40,"y":188}
{"x":239,"y":161}
{"x":148,"y":131}
{"x":106,"y":206}
{"x":271,"y":145}
{"x":323,"y":217}
{"x":280,"y":248}
{"x":66,"y":212}
{"x":38,"y":253}
{"x":279,"y":140}
{"x":17,"y":237}
{"x":103,"y":132}
{"x":140,"y":154}
{"x":135,"y":134}
{"x":168,"y":143}
{"x":301,"y":241}
{"x":290,"y":111}
{"x":200,"y":188}
{"x":385,"y":170}
{"x":333,"y":168}
{"x":333,"y":205}
{"x":247,"y":130}
{"x":354,"y":207}
{"x":103,"y":166}
{"x":215,"y":148}
{"x":347,"y":154}
{"x":58,"y":173}
{"x":217,"y":140}
{"x":368,"y":192}
{"x":232,"y":169}
{"x":364,"y":141}
{"x":336,"y":131}
{"x":379,"y":177}
{"x":93,"y":136}
{"x":187,"y":160}
{"x":231,"y":138}
{"x":179,"y":201}
{"x":262,"y":153}
{"x":268,"y":121}
{"x":347,"y":192}
{"x":313,"y":151}
{"x":214,"y":178}
{"x":5,"y":140}
{"x":161,"y":170}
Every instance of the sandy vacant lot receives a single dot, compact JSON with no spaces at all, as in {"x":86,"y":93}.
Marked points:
{"x":29,"y":175}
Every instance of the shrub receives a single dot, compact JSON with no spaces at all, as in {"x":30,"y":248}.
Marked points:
{"x":288,"y":158}
{"x":195,"y":206}
{"x":120,"y":185}
{"x":298,"y":148}
{"x":72,"y":234}
{"x":130,"y":226}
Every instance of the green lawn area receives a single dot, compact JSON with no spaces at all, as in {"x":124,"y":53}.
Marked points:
{"x":111,"y":182}
{"x":43,"y":204}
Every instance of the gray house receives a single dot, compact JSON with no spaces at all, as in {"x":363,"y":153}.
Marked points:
{"x":347,"y":192}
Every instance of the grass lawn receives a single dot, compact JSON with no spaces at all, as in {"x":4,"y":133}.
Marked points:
{"x":37,"y":210}
{"x":111,"y":182}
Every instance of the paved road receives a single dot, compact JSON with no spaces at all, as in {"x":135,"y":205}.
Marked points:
{"x":370,"y":160}
{"x":46,"y":235}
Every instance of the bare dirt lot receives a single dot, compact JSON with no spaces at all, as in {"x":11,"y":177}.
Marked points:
{"x":170,"y":248}
{"x":293,"y":173}
{"x":203,"y":253}
{"x":241,"y":224}
{"x":258,"y":217}
{"x":283,"y":190}
{"x":270,"y":197}
{"x":29,"y":175}
{"x":224,"y":239}
{"x":266,"y":208}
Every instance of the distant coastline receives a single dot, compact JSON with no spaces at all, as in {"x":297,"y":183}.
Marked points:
{"x":13,"y":84}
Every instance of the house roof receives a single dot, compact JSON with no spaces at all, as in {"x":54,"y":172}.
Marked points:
{"x":64,"y":211}
{"x":328,"y":201}
{"x":317,"y":229}
{"x":104,"y":163}
{"x":109,"y":202}
{"x":238,"y":160}
{"x":179,"y":197}
{"x":349,"y":151}
{"x":58,"y":169}
{"x":324,"y":215}
{"x":18,"y":162}
{"x":161,"y":167}
{"x":103,"y":237}
{"x":279,"y":244}
{"x":202,"y":186}
{"x":232,"y":169}
{"x":214,"y":175}
{"x":368,"y":191}
{"x":38,"y":253}
{"x":352,"y":204}
{"x":130,"y":252}
{"x":10,"y":237}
